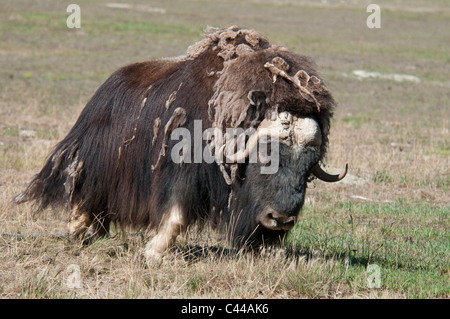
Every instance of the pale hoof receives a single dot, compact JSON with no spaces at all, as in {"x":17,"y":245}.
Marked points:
{"x":153,"y":258}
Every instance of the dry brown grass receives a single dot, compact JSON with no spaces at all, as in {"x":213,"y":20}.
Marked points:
{"x":395,"y":137}
{"x":113,"y":268}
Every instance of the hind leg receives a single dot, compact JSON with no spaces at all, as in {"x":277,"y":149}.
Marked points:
{"x":79,"y":223}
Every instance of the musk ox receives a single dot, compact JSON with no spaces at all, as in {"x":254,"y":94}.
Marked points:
{"x":121,"y":164}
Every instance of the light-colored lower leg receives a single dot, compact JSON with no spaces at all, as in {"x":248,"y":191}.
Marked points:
{"x":172,"y":225}
{"x":79,"y":223}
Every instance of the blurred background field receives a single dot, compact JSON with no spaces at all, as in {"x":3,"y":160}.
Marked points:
{"x":391,"y":126}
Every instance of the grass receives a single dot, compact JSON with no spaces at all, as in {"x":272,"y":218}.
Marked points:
{"x":391,"y":211}
{"x":406,"y":240}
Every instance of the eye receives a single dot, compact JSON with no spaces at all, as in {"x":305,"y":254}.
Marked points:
{"x":310,"y":178}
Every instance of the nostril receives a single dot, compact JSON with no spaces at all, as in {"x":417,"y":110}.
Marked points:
{"x":272,"y":219}
{"x":268,"y":219}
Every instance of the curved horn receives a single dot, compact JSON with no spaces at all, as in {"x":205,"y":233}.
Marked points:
{"x":252,"y":143}
{"x":238,"y":157}
{"x":324,"y":176}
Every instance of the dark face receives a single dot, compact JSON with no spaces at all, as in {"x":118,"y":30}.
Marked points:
{"x":269,"y":203}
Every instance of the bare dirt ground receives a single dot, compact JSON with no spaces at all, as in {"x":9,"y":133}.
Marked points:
{"x":392,"y":128}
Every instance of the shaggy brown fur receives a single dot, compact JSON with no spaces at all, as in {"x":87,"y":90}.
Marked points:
{"x":114,"y":162}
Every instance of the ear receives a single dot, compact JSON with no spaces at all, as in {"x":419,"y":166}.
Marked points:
{"x":258,"y":105}
{"x":257,"y":98}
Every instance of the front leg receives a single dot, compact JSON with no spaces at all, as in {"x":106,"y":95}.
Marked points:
{"x":173,"y":224}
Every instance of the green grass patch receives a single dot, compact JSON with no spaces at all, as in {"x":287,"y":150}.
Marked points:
{"x":32,"y":22}
{"x":409,"y":242}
